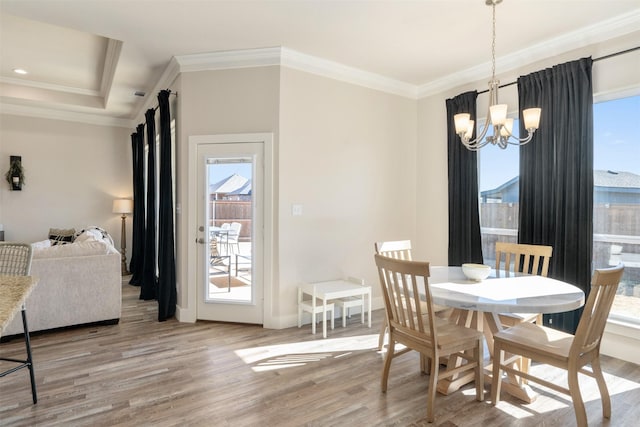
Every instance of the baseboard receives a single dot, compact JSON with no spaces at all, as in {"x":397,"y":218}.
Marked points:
{"x":621,"y":340}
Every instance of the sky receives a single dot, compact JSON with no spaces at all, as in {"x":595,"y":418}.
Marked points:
{"x":616,"y":144}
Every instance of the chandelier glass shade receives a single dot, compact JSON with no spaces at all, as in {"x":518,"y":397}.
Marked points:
{"x":497,"y":113}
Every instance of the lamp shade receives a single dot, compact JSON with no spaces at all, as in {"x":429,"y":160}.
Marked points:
{"x":122,"y":206}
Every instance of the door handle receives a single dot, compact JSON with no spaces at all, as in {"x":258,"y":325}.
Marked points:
{"x":200,"y":240}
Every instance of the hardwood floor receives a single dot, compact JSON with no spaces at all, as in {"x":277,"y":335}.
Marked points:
{"x":144,"y":373}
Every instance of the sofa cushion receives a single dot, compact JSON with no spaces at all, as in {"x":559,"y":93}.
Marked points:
{"x":41,"y":245}
{"x":86,"y":248}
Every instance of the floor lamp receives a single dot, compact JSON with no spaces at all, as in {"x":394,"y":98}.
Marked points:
{"x":124,"y":207}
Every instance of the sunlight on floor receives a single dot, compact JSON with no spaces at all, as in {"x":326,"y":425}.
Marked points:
{"x":555,"y":401}
{"x":289,"y":355}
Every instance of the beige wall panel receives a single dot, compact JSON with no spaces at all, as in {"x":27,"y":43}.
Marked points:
{"x":73,"y":172}
{"x":347,"y":155}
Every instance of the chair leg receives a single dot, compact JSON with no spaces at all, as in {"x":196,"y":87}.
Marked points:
{"x":602,"y":385}
{"x":387,"y":365}
{"x":383,"y":332}
{"x":478,"y":354}
{"x":314,"y":319}
{"x":496,"y":381}
{"x":578,"y":404}
{"x":27,"y":341}
{"x":433,"y":385}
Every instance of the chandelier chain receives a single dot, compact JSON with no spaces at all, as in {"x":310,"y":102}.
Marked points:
{"x":493,"y":46}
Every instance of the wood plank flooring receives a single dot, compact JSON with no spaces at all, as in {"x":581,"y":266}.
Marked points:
{"x":144,"y":373}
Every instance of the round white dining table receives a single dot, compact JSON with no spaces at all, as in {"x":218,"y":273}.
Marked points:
{"x":503,"y":292}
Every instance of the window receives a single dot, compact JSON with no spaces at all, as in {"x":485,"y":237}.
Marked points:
{"x":498,"y":172}
{"x":616,"y":199}
{"x":616,"y":210}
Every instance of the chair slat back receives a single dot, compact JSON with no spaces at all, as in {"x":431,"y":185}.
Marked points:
{"x":401,"y":281}
{"x":604,"y":286}
{"x":521,"y":258}
{"x":398,"y":249}
{"x":15,"y":259}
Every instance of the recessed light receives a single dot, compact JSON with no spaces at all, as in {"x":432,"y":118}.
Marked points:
{"x":19,"y":71}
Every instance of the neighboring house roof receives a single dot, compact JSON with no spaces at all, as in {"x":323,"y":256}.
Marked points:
{"x":229,"y":185}
{"x":242,"y":191}
{"x":615,"y":179}
{"x":601,"y":178}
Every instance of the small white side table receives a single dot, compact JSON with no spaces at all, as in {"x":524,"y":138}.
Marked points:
{"x":330,"y":290}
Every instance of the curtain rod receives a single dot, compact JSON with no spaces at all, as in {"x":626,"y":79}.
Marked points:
{"x":170,"y":93}
{"x":611,"y":55}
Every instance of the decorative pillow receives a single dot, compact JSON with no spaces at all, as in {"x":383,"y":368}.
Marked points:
{"x":94,"y":233}
{"x":61,"y":236}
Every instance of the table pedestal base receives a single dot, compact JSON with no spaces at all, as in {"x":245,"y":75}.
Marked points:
{"x":510,"y":384}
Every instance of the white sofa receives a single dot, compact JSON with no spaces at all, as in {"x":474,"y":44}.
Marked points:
{"x":78,"y":283}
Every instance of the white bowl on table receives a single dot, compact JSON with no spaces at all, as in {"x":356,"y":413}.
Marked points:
{"x":477,"y":272}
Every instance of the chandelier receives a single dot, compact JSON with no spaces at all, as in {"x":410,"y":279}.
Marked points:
{"x":497,"y":113}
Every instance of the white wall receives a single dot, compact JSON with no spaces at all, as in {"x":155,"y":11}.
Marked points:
{"x":347,"y":155}
{"x":73,"y":172}
{"x":209,"y":103}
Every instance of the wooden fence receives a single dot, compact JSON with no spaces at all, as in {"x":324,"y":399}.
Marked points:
{"x":221,"y":211}
{"x":617,"y":225}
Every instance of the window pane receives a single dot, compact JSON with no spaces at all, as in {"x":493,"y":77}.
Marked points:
{"x":616,"y":199}
{"x":498,"y":183}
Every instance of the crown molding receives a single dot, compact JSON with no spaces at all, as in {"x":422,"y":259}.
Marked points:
{"x":285,"y":57}
{"x":597,"y":33}
{"x":244,"y":58}
{"x":64,"y":115}
{"x":111,"y":58}
{"x":334,"y":70}
{"x":49,"y":86}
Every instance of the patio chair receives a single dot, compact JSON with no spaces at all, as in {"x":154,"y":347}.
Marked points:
{"x":231,"y":238}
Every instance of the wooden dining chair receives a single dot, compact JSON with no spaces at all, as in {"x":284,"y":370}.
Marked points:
{"x":556,"y":348}
{"x":417,"y":327}
{"x":522,"y":258}
{"x":400,"y":249}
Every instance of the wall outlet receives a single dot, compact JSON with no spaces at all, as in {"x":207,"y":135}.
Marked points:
{"x":296,"y":209}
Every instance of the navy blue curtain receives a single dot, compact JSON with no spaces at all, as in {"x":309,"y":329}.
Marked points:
{"x":465,"y":242}
{"x":148,"y":290}
{"x":556,"y":175}
{"x":167,"y":294}
{"x":137,"y":250}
